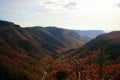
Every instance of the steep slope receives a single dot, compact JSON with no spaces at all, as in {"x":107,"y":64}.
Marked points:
{"x":21,"y":57}
{"x":110,"y":40}
{"x":55,"y":39}
{"x":14,"y":37}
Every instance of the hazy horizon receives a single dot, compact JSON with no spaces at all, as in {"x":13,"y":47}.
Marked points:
{"x":106,"y":31}
{"x":68,"y":14}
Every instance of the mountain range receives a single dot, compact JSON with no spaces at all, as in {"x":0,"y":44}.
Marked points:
{"x":25,"y":52}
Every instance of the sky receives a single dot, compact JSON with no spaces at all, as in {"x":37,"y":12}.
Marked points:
{"x":69,"y":14}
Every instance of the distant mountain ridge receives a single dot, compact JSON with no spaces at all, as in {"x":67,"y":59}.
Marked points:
{"x":89,"y":34}
{"x":49,"y":38}
{"x":111,"y":41}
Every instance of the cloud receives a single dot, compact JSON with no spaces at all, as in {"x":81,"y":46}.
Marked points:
{"x":58,"y":4}
{"x":71,"y":5}
{"x":118,"y":5}
{"x":76,"y":4}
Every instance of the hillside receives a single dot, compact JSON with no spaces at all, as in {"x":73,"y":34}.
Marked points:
{"x":55,"y":40}
{"x":110,"y":40}
{"x":96,"y":60}
{"x":21,"y":57}
{"x":25,"y":52}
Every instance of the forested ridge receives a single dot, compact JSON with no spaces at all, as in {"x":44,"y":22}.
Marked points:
{"x":50,"y":53}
